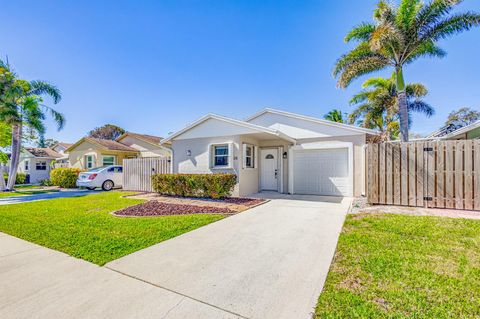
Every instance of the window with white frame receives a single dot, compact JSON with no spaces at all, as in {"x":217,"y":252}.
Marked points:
{"x":220,"y":155}
{"x":89,"y":161}
{"x":248,"y":156}
{"x":108,"y":160}
{"x":41,"y":166}
{"x":27,"y":165}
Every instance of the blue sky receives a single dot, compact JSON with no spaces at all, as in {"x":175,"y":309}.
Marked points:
{"x":155,"y":66}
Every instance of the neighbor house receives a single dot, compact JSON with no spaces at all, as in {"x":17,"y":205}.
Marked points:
{"x":91,"y":152}
{"x":37,"y":163}
{"x":275,"y":151}
{"x":449,"y":132}
{"x":60,"y":148}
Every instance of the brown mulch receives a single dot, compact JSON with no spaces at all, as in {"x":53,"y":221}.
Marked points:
{"x":156,"y":208}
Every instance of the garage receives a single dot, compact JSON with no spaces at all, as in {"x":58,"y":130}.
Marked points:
{"x":322,"y":172}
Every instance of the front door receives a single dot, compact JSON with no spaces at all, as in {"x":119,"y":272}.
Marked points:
{"x":269,"y":169}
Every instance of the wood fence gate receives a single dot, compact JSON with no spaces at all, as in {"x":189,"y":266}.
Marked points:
{"x":137,"y":172}
{"x":434,"y":174}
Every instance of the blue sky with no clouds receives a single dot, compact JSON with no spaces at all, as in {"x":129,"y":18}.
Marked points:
{"x":154,"y":66}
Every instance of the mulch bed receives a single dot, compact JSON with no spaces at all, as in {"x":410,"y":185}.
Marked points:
{"x":244,"y":201}
{"x":156,"y":208}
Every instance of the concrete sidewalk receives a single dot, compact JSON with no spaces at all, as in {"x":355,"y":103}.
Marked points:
{"x":36,"y":282}
{"x":268,"y":262}
{"x":36,"y":197}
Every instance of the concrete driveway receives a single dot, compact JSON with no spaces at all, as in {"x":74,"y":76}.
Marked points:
{"x":64,"y":193}
{"x":268,"y":262}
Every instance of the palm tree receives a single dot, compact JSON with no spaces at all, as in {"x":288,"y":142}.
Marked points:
{"x":21,"y":105}
{"x":335,"y":116}
{"x":377,"y":105}
{"x":399,"y":36}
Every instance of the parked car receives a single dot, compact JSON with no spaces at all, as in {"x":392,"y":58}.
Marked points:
{"x":106,"y":177}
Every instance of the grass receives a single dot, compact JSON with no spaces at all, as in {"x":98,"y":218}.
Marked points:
{"x":394,"y":266}
{"x":84,"y":228}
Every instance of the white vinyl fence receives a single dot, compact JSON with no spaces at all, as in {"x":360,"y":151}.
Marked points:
{"x":137,"y":172}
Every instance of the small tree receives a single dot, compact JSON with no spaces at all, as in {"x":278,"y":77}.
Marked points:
{"x":462,"y":117}
{"x":107,"y":132}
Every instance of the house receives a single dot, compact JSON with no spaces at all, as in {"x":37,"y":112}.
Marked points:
{"x":37,"y":163}
{"x":450,"y":132}
{"x":276,"y":151}
{"x":91,"y":152}
{"x":60,"y":148}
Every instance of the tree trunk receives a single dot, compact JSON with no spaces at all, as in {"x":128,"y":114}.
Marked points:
{"x":402,"y":105}
{"x":3,"y":186}
{"x":15,"y":157}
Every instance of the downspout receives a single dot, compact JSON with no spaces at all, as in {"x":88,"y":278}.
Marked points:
{"x":364,"y":169}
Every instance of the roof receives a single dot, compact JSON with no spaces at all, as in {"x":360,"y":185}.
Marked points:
{"x":144,"y":137}
{"x":254,"y":127}
{"x":43,"y":152}
{"x":105,"y":144}
{"x":313,"y":119}
{"x":459,"y":131}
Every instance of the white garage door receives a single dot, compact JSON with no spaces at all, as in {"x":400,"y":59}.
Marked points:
{"x":321,"y":172}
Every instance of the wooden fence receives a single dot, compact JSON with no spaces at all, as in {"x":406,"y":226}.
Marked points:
{"x":434,"y":174}
{"x":137,"y":172}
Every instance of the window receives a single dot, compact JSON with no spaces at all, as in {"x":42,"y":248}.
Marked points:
{"x":249,"y":156}
{"x":115,"y":169}
{"x":89,"y":161}
{"x":41,"y":166}
{"x":108,"y":160}
{"x":27,"y":165}
{"x":220,"y":155}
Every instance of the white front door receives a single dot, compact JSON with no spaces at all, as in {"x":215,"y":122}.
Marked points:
{"x":269,"y":169}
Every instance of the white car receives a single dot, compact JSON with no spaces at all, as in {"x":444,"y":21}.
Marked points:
{"x":106,"y":177}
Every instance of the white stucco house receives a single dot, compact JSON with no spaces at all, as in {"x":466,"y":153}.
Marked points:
{"x":275,"y":151}
{"x":37,"y":163}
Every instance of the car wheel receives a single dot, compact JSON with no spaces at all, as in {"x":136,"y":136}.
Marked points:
{"x":107,"y":185}
{"x":91,"y":188}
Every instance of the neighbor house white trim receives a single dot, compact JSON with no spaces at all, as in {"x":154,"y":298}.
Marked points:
{"x":312,"y":119}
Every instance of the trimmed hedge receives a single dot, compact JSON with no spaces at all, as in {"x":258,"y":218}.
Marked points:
{"x":20,"y":179}
{"x":194,"y":185}
{"x":64,"y":177}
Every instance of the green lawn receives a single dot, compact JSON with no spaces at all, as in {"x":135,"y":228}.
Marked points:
{"x":394,"y":266}
{"x":82,"y":226}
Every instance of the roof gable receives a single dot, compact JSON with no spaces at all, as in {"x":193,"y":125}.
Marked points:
{"x":213,"y":125}
{"x":301,"y":126}
{"x":106,"y":145}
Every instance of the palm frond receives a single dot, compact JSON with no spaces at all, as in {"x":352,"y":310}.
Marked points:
{"x":361,"y":32}
{"x":361,"y":66}
{"x":42,"y":87}
{"x":407,"y":13}
{"x":452,"y":25}
{"x":416,"y":90}
{"x":58,"y":117}
{"x":420,"y":106}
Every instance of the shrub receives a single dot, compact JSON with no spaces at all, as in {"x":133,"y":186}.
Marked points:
{"x":194,"y":185}
{"x":20,"y":179}
{"x":46,"y":182}
{"x":64,"y":177}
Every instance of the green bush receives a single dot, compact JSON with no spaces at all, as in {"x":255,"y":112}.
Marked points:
{"x":46,"y":182}
{"x":194,"y":185}
{"x":20,"y":179}
{"x":64,"y":177}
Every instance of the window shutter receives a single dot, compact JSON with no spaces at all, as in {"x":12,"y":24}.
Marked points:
{"x":244,"y":155}
{"x":230,"y":155}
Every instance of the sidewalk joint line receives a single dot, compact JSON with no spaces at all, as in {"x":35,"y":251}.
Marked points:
{"x":176,"y":292}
